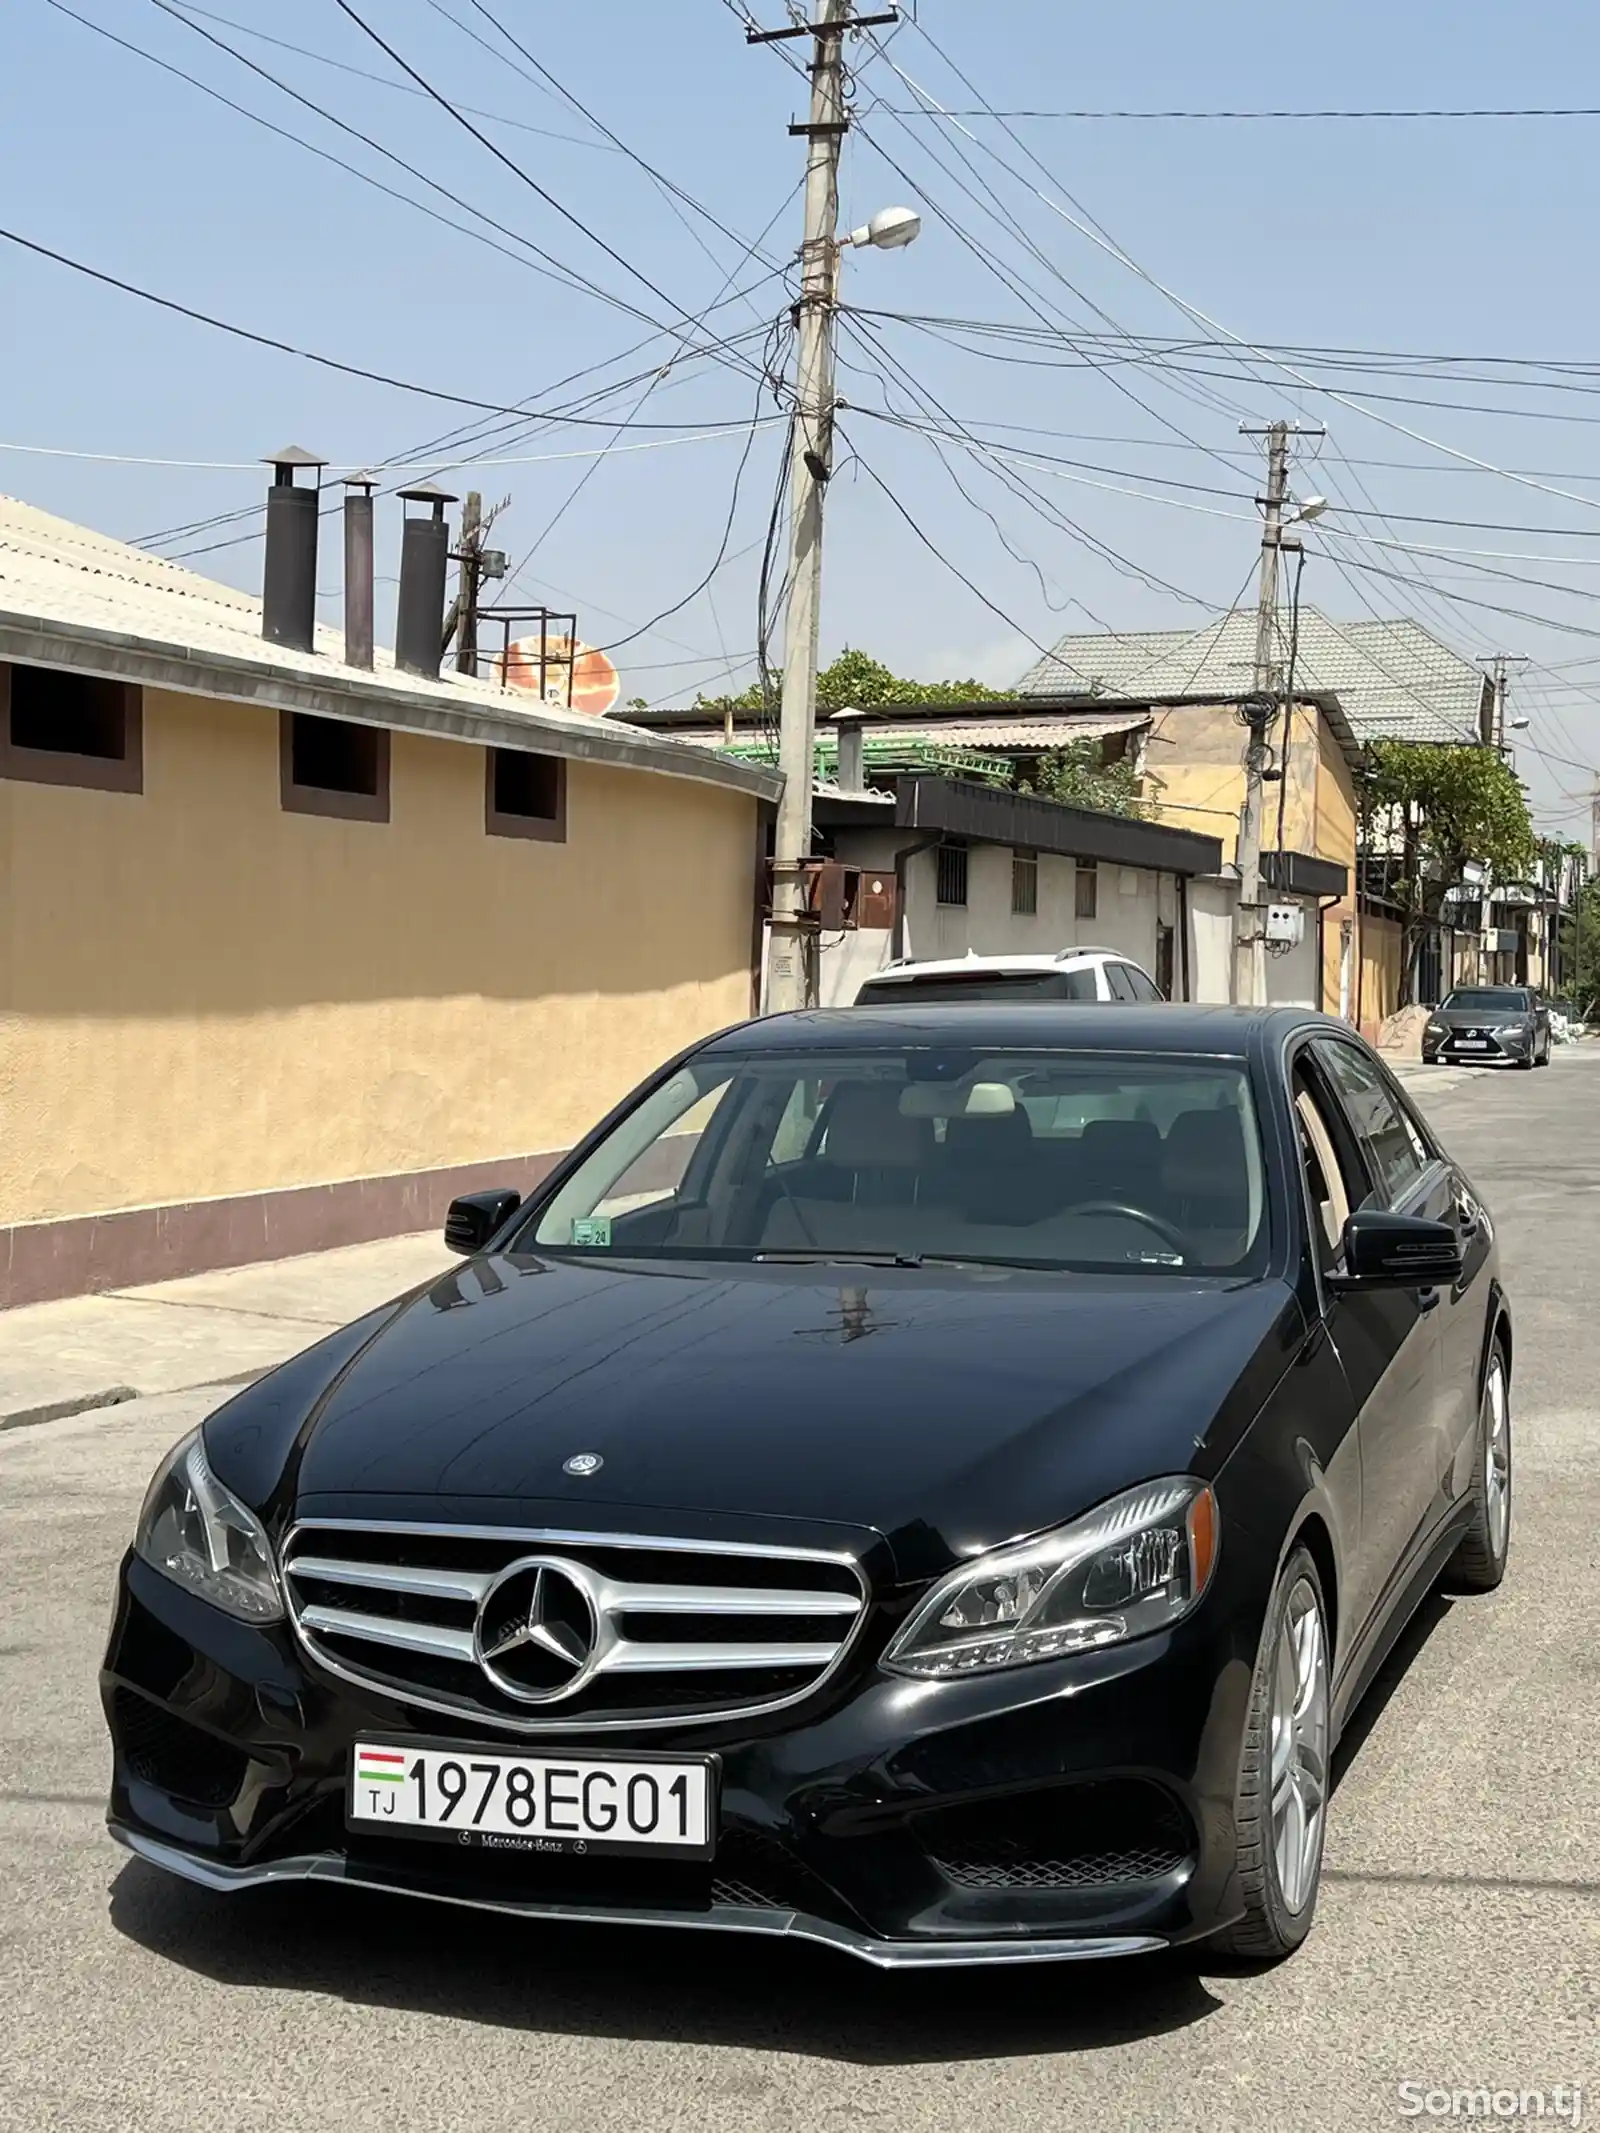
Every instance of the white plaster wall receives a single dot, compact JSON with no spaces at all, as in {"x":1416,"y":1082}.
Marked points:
{"x":1211,"y":902}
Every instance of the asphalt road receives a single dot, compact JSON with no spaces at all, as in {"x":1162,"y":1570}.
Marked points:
{"x":1458,"y":1942}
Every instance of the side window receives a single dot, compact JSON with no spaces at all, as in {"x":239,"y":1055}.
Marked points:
{"x":1333,"y":1182}
{"x":1392,"y":1142}
{"x":1142,"y":987}
{"x":1079,"y":984}
{"x":1120,"y":978}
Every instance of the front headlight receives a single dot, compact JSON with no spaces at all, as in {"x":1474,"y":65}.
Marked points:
{"x":198,"y":1533}
{"x":1433,"y":1027}
{"x":1517,"y":1031}
{"x":1139,"y":1563}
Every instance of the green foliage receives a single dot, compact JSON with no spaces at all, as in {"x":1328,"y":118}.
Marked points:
{"x":858,"y":682}
{"x":1077,"y":776}
{"x":1449,"y":808}
{"x":1580,"y":948}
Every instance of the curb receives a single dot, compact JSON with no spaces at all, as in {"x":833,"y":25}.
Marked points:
{"x":59,"y":1410}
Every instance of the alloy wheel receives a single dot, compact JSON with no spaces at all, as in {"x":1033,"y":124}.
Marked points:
{"x":1299,"y":1745}
{"x":1497,"y":1455}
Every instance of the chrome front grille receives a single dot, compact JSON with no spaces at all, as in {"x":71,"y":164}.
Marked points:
{"x":545,"y":1631}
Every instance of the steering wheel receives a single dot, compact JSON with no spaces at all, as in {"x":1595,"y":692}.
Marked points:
{"x":1164,"y":1230}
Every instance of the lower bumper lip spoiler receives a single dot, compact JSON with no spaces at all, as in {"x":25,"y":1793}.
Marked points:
{"x":729,"y":1918}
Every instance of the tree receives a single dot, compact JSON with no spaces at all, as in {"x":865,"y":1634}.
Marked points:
{"x":1077,"y":776}
{"x":1436,"y":811}
{"x":1580,"y":948}
{"x":855,"y":681}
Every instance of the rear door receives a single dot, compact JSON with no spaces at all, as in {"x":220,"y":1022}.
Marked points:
{"x":1407,"y":1439}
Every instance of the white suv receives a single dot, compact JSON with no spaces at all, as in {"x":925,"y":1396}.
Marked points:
{"x":1074,"y":974}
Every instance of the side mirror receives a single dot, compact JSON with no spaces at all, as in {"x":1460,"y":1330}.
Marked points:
{"x":474,"y":1218}
{"x":1385,"y":1251}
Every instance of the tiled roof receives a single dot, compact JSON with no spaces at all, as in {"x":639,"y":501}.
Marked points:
{"x":1394,"y":680}
{"x":116,"y":603}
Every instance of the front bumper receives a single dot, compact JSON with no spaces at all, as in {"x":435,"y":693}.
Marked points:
{"x":1073,"y":1810}
{"x":1457,"y":1048}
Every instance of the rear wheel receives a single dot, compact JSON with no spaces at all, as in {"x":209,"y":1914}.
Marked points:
{"x":1479,"y":1563}
{"x":1280,"y":1809}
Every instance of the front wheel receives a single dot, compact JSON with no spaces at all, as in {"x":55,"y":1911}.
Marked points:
{"x":1280,"y":1808}
{"x":1479,"y":1563}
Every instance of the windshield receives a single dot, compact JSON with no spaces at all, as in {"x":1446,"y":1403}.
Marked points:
{"x":1054,"y":1159}
{"x":985,"y":985}
{"x":1491,"y":999}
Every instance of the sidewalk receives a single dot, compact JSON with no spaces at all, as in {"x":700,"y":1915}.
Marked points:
{"x":207,"y":1329}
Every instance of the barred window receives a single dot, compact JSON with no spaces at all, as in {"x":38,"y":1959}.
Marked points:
{"x":951,"y":873}
{"x":1024,"y":884}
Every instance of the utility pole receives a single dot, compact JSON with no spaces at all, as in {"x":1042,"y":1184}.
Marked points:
{"x":790,"y":979}
{"x":1249,"y":940}
{"x":467,"y":597}
{"x":791,"y":972}
{"x":1492,"y":708}
{"x":478,"y":564}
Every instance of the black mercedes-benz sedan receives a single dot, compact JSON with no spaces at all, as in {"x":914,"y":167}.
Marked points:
{"x":1488,"y":1025}
{"x":933,"y":1483}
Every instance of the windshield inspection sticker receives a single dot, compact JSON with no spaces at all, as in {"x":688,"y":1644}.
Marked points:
{"x":591,"y":1229}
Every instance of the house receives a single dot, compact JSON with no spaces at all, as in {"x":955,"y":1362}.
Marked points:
{"x":1354,"y":683}
{"x":925,"y":847}
{"x":294,"y":949}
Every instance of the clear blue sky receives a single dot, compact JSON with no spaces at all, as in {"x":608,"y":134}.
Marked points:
{"x":1465,"y":239}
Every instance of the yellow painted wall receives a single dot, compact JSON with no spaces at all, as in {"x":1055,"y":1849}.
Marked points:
{"x":201,"y":995}
{"x":1195,"y":759}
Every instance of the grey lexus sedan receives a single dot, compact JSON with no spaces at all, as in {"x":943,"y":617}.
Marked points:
{"x":1489,"y":1025}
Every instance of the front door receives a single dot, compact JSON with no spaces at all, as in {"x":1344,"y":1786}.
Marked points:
{"x":1385,"y":1339}
{"x":1406,"y":1455}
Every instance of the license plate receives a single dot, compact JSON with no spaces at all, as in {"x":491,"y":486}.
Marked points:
{"x":492,"y":1801}
{"x":1472,"y":1044}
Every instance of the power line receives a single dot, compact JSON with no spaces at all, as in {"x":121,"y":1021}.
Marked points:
{"x":939,"y":555}
{"x":510,"y":162}
{"x":1534,"y":111}
{"x":1087,"y":228}
{"x":563,"y":90}
{"x":306,"y":355}
{"x":383,"y":81}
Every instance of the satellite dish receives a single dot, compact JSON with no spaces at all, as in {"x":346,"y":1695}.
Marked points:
{"x":596,"y":685}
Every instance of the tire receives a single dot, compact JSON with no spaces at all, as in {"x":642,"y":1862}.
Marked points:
{"x":1279,"y":1910}
{"x":1526,"y":1066}
{"x":1479,"y":1563}
{"x":1544,"y":1057}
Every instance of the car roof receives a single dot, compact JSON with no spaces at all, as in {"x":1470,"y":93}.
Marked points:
{"x":1076,"y":1026}
{"x":967,"y":965}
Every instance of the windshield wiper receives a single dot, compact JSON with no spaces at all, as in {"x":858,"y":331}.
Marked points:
{"x":903,"y":1259}
{"x":844,"y":1258}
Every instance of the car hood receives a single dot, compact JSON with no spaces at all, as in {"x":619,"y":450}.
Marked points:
{"x":945,"y":1410}
{"x":1479,"y":1017}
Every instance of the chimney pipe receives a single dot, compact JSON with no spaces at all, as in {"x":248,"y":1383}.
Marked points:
{"x":358,"y":490}
{"x":289,"y":581}
{"x":424,"y":557}
{"x":852,"y":774}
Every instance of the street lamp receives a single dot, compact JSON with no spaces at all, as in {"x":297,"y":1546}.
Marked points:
{"x":891,"y":229}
